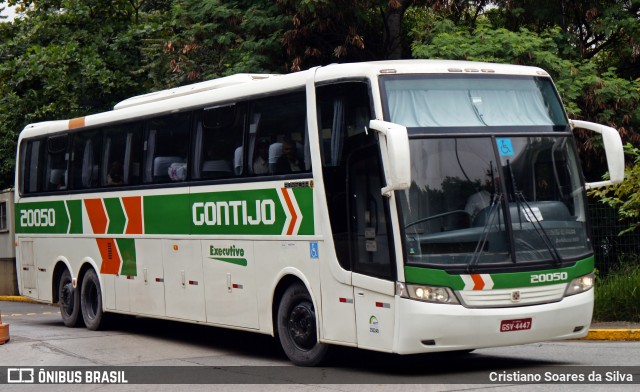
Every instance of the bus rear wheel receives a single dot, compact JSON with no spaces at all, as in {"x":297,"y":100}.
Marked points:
{"x":297,"y":329}
{"x":91,"y":301}
{"x":69,"y":299}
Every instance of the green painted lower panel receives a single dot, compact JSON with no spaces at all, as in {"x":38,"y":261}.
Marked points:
{"x":437,"y":277}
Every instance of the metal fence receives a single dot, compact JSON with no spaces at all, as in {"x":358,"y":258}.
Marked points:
{"x":610,"y":248}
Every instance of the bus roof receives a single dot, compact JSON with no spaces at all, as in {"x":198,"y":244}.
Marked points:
{"x":191,"y":89}
{"x":227,"y":89}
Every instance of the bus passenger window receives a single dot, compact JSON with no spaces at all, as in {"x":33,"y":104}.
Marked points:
{"x":166,"y":148}
{"x":122,"y":150}
{"x":31,"y":163}
{"x":86,"y":158}
{"x":218,"y":148}
{"x":278,"y":142}
{"x":56,"y":177}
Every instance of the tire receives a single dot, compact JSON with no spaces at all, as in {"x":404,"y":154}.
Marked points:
{"x":91,"y":301}
{"x":297,"y":328}
{"x":69,"y":300}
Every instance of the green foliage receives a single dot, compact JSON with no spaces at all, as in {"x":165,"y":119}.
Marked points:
{"x":66,"y":58}
{"x":625,"y":197}
{"x":588,"y":91}
{"x":617,"y":295}
{"x":212,"y":38}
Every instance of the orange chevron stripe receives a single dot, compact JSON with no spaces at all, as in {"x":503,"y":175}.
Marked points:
{"x":294,"y":216}
{"x":133,"y":209}
{"x":479,"y":283}
{"x":97,"y":215}
{"x":110,"y":256}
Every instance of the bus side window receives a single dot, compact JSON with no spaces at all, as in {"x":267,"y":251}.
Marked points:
{"x":166,"y":147}
{"x":57,"y":156}
{"x":217,"y":145}
{"x":122,"y":155}
{"x":277,"y":124}
{"x":86,"y":158}
{"x":31,"y":164}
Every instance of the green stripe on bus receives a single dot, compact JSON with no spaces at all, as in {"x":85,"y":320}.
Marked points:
{"x":166,"y":214}
{"x":304,"y":196}
{"x":75,"y":215}
{"x":127,"y":249}
{"x":232,"y":260}
{"x":47,"y":217}
{"x":247,"y":212}
{"x":437,"y":277}
{"x":117,"y":219}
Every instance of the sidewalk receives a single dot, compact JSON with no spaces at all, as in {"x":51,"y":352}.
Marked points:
{"x":610,"y":330}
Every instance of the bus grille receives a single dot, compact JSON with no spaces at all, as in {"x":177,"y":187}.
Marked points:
{"x":501,"y":298}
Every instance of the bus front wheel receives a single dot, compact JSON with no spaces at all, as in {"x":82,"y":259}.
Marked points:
{"x":69,"y":299}
{"x":91,"y":301}
{"x":297,"y":329}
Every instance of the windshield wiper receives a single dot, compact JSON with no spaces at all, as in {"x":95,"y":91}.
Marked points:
{"x":532,"y":218}
{"x":492,"y":214}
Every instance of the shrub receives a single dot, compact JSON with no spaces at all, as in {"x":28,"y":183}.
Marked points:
{"x":617,"y":295}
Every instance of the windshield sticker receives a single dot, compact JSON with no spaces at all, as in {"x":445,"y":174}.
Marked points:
{"x":532,"y":214}
{"x":505,"y":148}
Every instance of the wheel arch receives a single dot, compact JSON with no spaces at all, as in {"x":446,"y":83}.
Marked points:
{"x":287,"y":279}
{"x":61,"y":265}
{"x":85,"y":265}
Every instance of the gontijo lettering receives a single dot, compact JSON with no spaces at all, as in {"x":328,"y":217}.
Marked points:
{"x":233,"y":213}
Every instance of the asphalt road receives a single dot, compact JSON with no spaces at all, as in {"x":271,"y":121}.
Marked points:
{"x":39,"y":339}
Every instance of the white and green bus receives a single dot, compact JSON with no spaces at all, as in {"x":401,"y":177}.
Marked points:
{"x":400,"y":206}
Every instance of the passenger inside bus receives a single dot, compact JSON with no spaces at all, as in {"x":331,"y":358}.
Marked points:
{"x":289,"y":162}
{"x":261,"y":159}
{"x":115,"y":174}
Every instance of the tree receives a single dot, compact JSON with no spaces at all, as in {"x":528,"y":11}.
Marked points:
{"x":66,"y":58}
{"x":590,"y":90}
{"x":212,"y":38}
{"x":625,"y":197}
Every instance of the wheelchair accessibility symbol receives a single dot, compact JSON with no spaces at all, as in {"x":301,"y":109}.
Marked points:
{"x":505,"y":148}
{"x":313,"y":250}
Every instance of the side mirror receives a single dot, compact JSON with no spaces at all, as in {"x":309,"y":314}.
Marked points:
{"x":612,"y":148}
{"x":395,"y":155}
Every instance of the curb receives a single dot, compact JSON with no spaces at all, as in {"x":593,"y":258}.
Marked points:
{"x":620,"y":334}
{"x":17,"y":298}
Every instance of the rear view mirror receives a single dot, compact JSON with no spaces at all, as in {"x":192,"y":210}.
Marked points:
{"x":612,"y":148}
{"x":395,"y":155}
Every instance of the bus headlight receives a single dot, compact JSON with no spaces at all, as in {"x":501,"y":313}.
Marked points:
{"x":435,"y":294}
{"x":580,"y":285}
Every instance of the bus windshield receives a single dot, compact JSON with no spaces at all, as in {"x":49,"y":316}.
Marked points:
{"x":472,"y":101}
{"x":478,"y":201}
{"x":495,"y":178}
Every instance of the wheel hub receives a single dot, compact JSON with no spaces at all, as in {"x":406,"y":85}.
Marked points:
{"x":67,"y":298}
{"x":302,"y":327}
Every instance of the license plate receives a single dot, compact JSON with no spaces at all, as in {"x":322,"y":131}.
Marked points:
{"x":515,"y":325}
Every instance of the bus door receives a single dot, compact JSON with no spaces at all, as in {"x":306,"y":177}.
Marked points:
{"x":357,"y":295}
{"x":372,"y":260}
